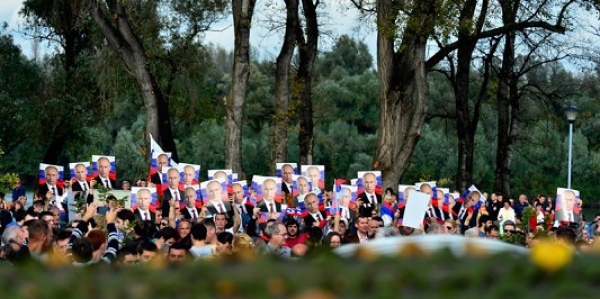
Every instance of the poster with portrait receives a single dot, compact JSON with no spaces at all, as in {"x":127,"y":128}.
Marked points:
{"x":210,"y":191}
{"x":415,"y":209}
{"x":404,"y":192}
{"x":346,"y":195}
{"x":262,"y":183}
{"x":197,"y":192}
{"x":134,"y":201}
{"x":427,"y":188}
{"x":226,"y":174}
{"x":104,"y":171}
{"x":568,"y":205}
{"x":80,"y":170}
{"x":301,"y":186}
{"x":315,"y":175}
{"x":56,"y":169}
{"x":122,"y":197}
{"x":189,"y":174}
{"x":361,"y":178}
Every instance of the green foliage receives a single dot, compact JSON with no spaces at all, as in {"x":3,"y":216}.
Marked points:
{"x":438,"y":276}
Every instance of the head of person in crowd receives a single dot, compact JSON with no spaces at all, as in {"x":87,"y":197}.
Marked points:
{"x":211,"y":231}
{"x":129,"y":254}
{"x":242,"y":245}
{"x":125,"y":185}
{"x":492,"y":232}
{"x":166,"y":237}
{"x":362,"y":225}
{"x":291,"y":226}
{"x":61,"y":239}
{"x":332,"y":240}
{"x":149,"y":252}
{"x":184,"y":228}
{"x":125,"y":218}
{"x":220,"y":222}
{"x":278,"y":235}
{"x":224,"y":241}
{"x":178,"y":254}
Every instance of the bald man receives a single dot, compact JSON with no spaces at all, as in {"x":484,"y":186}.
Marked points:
{"x":268,"y":203}
{"x":370,"y":200}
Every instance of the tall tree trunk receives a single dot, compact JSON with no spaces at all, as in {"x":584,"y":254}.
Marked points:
{"x":307,"y":49}
{"x":466,"y":125}
{"x":282,"y":86}
{"x":507,"y":103}
{"x":111,"y":19}
{"x":242,"y":22}
{"x":403,"y":88}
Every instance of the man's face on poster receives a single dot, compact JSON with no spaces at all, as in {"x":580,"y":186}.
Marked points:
{"x":472,"y":198}
{"x":569,"y":200}
{"x":190,"y":198}
{"x":162,"y":162}
{"x":269,"y":189}
{"x":173,"y":178}
{"x":302,"y":186}
{"x":189,"y":174}
{"x":370,"y":182}
{"x":81,"y":172}
{"x":238,"y":193}
{"x":314,"y":175}
{"x":220,"y":175}
{"x":143,"y":199}
{"x":286,"y":172}
{"x":51,"y":175}
{"x":312,"y":203}
{"x":425,"y":188}
{"x":214,"y":190}
{"x":346,"y":198}
{"x":103,"y":167}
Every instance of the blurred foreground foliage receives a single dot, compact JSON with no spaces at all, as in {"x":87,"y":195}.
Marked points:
{"x":326,"y":276}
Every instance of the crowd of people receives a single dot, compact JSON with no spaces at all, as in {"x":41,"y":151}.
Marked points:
{"x":183,"y":228}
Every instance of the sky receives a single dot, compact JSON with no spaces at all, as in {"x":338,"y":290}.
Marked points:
{"x":337,"y":18}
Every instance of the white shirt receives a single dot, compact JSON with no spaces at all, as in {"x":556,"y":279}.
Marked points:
{"x":268,"y":203}
{"x":175,"y":194}
{"x":192,"y":211}
{"x":372,"y":198}
{"x":83,"y":185}
{"x":317,"y":215}
{"x":143,"y":214}
{"x":105,"y":181}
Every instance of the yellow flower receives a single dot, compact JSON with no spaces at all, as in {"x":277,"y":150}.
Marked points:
{"x":551,"y":256}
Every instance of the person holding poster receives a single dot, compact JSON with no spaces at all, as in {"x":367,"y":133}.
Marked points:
{"x":268,"y":203}
{"x":368,"y":201}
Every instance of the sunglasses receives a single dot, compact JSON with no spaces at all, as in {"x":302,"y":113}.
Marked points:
{"x":449,"y":227}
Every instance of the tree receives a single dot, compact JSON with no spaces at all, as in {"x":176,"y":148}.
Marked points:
{"x":242,"y":21}
{"x":282,"y":113}
{"x":111,"y":18}
{"x":307,"y":52}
